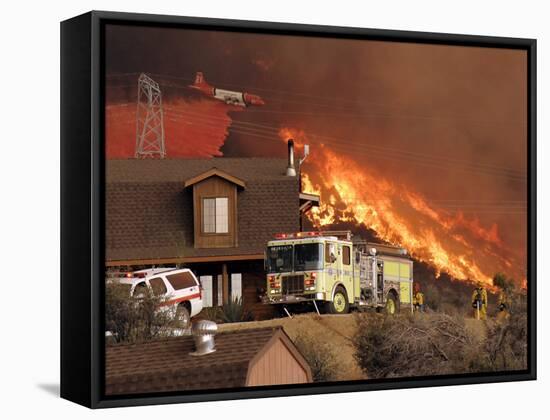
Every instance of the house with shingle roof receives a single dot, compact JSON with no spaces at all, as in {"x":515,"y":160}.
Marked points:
{"x":247,"y":357}
{"x":214,"y":216}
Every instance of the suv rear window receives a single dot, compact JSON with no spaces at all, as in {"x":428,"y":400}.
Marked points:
{"x":182,"y":280}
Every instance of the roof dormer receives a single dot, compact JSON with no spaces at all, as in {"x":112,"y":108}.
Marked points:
{"x":215,"y":208}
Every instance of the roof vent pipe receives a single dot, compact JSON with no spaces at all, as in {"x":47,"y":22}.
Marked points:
{"x":306,"y":154}
{"x":290,"y":170}
{"x":203,"y":334}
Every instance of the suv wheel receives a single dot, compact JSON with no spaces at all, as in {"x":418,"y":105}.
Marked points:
{"x":183,"y":316}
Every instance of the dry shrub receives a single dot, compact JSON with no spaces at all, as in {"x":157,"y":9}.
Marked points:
{"x":506,"y":345}
{"x":131,"y":319}
{"x":320,"y":355}
{"x":424,"y":344}
{"x":211,"y":313}
{"x":439,"y":344}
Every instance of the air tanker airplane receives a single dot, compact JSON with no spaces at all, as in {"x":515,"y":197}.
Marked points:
{"x":227,"y":96}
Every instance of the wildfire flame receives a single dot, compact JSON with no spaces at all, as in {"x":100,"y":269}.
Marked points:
{"x":351,"y":192}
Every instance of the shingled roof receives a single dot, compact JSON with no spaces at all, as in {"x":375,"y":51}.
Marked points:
{"x":180,"y":170}
{"x":149,"y":212}
{"x":166,"y":365}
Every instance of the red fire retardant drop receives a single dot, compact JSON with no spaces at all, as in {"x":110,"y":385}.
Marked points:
{"x":196,"y":128}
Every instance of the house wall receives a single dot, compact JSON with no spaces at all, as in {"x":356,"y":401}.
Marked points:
{"x":253,"y":283}
{"x":276,"y":366}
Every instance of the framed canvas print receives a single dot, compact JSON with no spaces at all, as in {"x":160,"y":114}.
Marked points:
{"x":255,"y":209}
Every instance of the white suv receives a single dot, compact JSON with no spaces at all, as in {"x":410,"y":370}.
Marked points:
{"x":180,"y":288}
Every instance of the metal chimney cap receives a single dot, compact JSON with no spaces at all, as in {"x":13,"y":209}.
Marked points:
{"x":203,"y":334}
{"x":204,"y":327}
{"x":290,"y":170}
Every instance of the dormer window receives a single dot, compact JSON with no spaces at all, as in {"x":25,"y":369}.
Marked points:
{"x":215,"y":215}
{"x":215,"y":209}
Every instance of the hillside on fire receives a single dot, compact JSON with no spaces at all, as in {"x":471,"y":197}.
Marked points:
{"x":355,"y":209}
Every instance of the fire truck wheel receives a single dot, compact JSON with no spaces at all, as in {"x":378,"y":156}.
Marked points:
{"x":392,"y":306}
{"x":183,"y":316}
{"x":339,"y":304}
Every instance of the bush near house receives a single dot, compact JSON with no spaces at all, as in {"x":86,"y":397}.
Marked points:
{"x":211,"y":313}
{"x":133,"y":320}
{"x":235,"y":311}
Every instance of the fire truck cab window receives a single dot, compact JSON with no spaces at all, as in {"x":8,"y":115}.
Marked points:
{"x":279,"y":258}
{"x":158,"y":286}
{"x":330,"y":253}
{"x":308,"y":257}
{"x":346,"y":257}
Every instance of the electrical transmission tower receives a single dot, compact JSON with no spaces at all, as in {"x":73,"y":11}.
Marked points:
{"x":149,"y":119}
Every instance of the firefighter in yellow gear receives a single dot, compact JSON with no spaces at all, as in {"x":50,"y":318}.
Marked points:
{"x":479,"y":302}
{"x":418,"y":299}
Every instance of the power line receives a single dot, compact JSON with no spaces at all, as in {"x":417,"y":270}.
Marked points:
{"x":346,"y":143}
{"x":351,"y":111}
{"x":332,"y":100}
{"x":346,"y":146}
{"x":343,"y":145}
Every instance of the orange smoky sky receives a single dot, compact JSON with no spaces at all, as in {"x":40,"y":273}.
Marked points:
{"x":447,"y":124}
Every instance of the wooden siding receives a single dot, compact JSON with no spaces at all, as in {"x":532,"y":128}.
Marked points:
{"x":211,"y":188}
{"x":276,"y":366}
{"x":253,"y":283}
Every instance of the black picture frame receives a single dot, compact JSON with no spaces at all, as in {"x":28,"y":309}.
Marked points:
{"x":82,"y":204}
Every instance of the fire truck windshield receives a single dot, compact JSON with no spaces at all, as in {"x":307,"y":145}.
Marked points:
{"x":299,"y":257}
{"x":308,"y":257}
{"x":279,"y":258}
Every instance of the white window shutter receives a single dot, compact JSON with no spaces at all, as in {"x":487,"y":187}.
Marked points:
{"x":206,"y":282}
